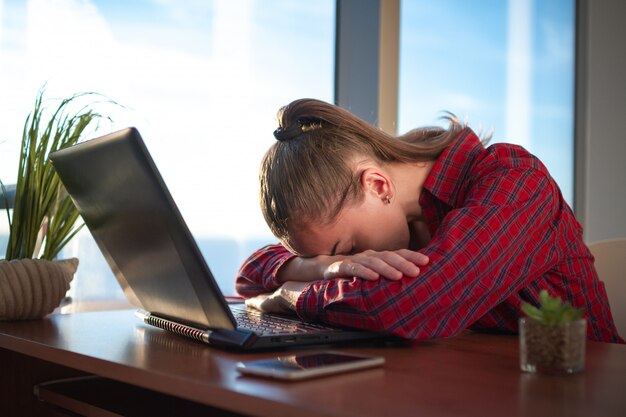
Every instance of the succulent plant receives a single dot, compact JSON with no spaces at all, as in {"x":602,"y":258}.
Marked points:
{"x":552,"y":310}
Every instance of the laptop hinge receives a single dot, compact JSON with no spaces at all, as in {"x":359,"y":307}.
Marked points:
{"x":242,"y":339}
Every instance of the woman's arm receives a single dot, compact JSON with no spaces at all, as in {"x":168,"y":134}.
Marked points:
{"x":273,"y":265}
{"x":512,"y":237}
{"x":259,"y":273}
{"x":369,"y":265}
{"x":481,"y":255}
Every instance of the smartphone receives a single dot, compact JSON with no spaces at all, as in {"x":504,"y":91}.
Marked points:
{"x":308,"y":365}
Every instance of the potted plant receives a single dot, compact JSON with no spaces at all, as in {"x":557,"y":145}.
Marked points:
{"x":552,"y":337}
{"x":42,"y":221}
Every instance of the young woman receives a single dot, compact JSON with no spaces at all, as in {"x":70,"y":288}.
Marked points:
{"x":352,"y":206}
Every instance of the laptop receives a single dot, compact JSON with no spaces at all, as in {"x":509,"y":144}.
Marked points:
{"x":128,"y":209}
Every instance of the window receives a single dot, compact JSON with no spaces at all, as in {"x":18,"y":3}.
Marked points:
{"x":501,"y":65}
{"x":201,"y":80}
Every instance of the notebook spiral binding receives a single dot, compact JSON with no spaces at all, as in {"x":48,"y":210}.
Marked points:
{"x":176,"y":328}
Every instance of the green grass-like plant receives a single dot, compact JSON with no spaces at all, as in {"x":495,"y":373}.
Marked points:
{"x":552,"y":310}
{"x":43,"y":218}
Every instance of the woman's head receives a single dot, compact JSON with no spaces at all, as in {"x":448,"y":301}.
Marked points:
{"x":313,"y":173}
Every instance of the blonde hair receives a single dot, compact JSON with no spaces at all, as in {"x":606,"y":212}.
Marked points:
{"x":308,"y":175}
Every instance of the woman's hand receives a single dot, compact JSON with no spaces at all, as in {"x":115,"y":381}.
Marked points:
{"x":283,"y":300}
{"x":370,"y":265}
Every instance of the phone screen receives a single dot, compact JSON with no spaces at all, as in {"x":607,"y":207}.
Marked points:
{"x":308,"y":365}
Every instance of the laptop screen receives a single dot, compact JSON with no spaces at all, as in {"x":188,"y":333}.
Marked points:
{"x":126,"y":206}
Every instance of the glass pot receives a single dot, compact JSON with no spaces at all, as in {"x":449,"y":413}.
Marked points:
{"x":552,"y":349}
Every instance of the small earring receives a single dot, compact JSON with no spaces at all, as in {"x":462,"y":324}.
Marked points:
{"x":387,"y":200}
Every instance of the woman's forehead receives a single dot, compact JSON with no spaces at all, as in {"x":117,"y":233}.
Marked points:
{"x":315,"y":238}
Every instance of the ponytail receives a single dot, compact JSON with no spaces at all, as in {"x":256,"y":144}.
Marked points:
{"x":309,"y":174}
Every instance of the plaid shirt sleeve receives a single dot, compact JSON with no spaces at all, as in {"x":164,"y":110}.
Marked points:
{"x":481,"y":254}
{"x":259,"y":272}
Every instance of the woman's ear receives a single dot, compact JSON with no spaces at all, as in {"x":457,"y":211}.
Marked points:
{"x":376,"y":183}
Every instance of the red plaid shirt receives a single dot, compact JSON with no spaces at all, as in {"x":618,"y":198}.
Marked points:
{"x":501,"y":232}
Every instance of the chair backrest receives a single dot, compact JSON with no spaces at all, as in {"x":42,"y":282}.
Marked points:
{"x":611,"y":266}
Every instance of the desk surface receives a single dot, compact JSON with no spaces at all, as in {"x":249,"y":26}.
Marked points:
{"x":471,"y":375}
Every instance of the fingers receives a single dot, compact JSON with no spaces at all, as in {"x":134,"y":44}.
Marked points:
{"x":372,"y":265}
{"x":380,"y":265}
{"x":267,"y":303}
{"x":414,"y":257}
{"x":390,"y":265}
{"x":367,"y":267}
{"x":401,"y":264}
{"x":362,"y":271}
{"x":346,"y":268}
{"x":257,"y":302}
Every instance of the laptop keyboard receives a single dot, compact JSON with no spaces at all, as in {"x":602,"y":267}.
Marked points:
{"x":265,"y":324}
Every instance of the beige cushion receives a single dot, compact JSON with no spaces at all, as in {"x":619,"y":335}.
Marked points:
{"x":611,"y":266}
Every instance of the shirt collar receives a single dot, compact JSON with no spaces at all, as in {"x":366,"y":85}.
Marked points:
{"x":448,"y":175}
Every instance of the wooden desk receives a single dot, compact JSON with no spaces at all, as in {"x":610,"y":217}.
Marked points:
{"x":470,"y":375}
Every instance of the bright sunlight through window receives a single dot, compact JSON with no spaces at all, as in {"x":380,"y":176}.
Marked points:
{"x":201,"y":80}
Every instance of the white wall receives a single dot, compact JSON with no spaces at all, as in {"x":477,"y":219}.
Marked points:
{"x":600,"y":191}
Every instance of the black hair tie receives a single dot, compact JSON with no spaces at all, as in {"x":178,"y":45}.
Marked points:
{"x":284,"y":134}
